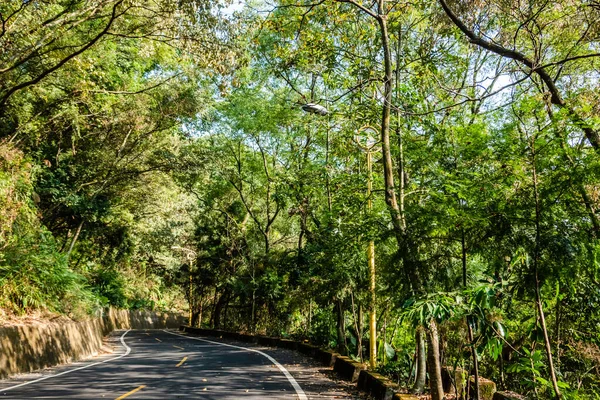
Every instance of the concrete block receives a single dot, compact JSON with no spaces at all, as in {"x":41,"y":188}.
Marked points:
{"x":216,"y":333}
{"x":264,"y":340}
{"x":508,"y":396}
{"x":487,"y":388}
{"x":347,"y":369}
{"x":245,"y":337}
{"x":325,"y":357}
{"x":405,"y":396}
{"x":376,"y":385}
{"x":308,"y":349}
{"x":288,"y":344}
{"x":454,"y":381}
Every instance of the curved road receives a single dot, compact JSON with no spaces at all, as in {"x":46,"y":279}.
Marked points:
{"x":157,"y":364}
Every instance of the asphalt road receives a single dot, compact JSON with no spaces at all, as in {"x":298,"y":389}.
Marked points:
{"x":156,"y":364}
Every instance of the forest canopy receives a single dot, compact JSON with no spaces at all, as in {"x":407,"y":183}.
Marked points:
{"x":413,"y":184}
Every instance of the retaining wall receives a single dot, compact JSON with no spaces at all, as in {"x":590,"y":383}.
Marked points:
{"x":29,"y":348}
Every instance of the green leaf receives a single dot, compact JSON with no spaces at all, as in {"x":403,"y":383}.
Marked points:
{"x":389,"y":351}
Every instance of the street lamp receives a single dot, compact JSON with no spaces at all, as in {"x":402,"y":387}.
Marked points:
{"x":314,"y":108}
{"x":367,"y":144}
{"x":191,"y":255}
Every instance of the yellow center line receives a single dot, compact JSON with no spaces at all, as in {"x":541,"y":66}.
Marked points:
{"x":158,"y":339}
{"x":181,"y":362}
{"x":137,"y":389}
{"x":177,"y":347}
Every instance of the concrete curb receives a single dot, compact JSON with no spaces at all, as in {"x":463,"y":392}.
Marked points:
{"x":377,"y":386}
{"x":307,"y":348}
{"x":288,"y":344}
{"x":347,"y":368}
{"x":508,"y":396}
{"x":325,"y":357}
{"x":405,"y":396}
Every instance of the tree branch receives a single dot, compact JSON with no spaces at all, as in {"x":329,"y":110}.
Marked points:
{"x":23,"y":85}
{"x":592,"y":135}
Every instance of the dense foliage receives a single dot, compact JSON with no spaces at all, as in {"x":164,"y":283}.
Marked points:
{"x":156,"y":154}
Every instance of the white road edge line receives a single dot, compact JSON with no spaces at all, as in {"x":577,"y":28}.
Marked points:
{"x":128,"y":350}
{"x":297,"y":388}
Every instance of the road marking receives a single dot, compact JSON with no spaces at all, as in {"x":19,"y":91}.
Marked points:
{"x":158,"y":339}
{"x":177,"y":347}
{"x":181,"y":362}
{"x":128,"y":350}
{"x":290,"y":378}
{"x":137,"y":389}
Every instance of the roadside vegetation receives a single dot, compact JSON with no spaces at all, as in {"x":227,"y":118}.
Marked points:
{"x":169,"y":155}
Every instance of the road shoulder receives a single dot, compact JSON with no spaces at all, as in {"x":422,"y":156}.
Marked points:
{"x":317,"y":381}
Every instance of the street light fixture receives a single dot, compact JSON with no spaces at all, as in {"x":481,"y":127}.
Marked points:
{"x":314,"y":108}
{"x":191,"y":254}
{"x":367,"y":143}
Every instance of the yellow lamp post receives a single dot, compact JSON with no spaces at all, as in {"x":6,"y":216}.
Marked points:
{"x":367,"y":144}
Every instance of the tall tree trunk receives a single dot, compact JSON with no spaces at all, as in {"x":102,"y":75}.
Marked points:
{"x":372,"y":283}
{"x":197,"y":311}
{"x":433,"y":362}
{"x":221,"y":303}
{"x":405,"y":249}
{"x":217,"y":315}
{"x":538,"y":297}
{"x":74,"y":239}
{"x":388,"y":168}
{"x":357,"y":326}
{"x":411,"y":264}
{"x":396,"y":213}
{"x":309,"y":317}
{"x":341,"y":327}
{"x":327,"y":181}
{"x":359,"y":333}
{"x":299,"y":258}
{"x":200,"y":310}
{"x":266,"y":235}
{"x":474,"y":356}
{"x":540,"y":309}
{"x":253,"y":311}
{"x":557,"y":330}
{"x":469,"y":326}
{"x":214,"y":306}
{"x":421,"y":360}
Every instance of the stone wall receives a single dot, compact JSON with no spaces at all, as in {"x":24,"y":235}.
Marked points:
{"x":29,"y":348}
